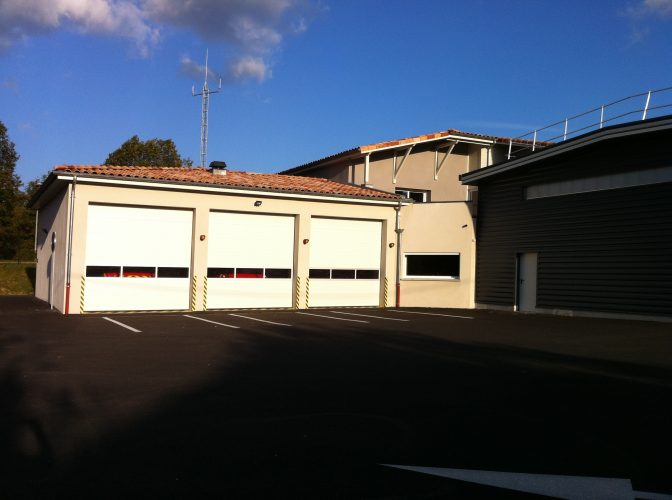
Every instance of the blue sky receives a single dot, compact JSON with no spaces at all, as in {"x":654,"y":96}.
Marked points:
{"x":304,"y":79}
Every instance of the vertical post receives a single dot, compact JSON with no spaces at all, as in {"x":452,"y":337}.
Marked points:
{"x":646,"y":106}
{"x":366,"y":170}
{"x":534,"y":141}
{"x":508,"y":156}
{"x":71,"y":225}
{"x":601,"y":116}
{"x":398,"y":230}
{"x":564,"y":137}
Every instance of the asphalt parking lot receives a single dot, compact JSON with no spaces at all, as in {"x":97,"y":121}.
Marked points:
{"x":309,"y":404}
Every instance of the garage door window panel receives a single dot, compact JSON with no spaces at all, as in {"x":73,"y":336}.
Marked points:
{"x":432,"y":266}
{"x":320,"y":274}
{"x":103,"y":271}
{"x":249,"y":272}
{"x":278,"y":273}
{"x":173,"y":272}
{"x":138,"y":272}
{"x":221,"y":272}
{"x":342,"y":274}
{"x":368,"y":274}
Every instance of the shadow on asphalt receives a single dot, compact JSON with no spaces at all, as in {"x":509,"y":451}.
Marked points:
{"x":311,"y":414}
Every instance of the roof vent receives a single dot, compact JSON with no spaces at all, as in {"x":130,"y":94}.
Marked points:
{"x":218,"y":167}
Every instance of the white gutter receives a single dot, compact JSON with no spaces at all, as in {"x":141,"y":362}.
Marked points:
{"x":247,"y":192}
{"x":69,"y":247}
{"x":398,"y":230}
{"x":37,"y":218}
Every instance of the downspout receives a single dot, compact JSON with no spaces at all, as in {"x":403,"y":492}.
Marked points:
{"x":37,"y":218}
{"x":69,"y":249}
{"x":398,"y":230}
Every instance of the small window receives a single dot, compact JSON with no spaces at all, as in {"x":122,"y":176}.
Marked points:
{"x":367,"y":274}
{"x":103,"y":271}
{"x":173,"y":272}
{"x":278,"y":273}
{"x":342,"y":274}
{"x":433,"y":266}
{"x":139,"y":272}
{"x":221,"y":272}
{"x":249,"y":272}
{"x":319,"y":274}
{"x":417,"y":195}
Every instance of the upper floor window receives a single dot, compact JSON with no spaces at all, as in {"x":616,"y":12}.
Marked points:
{"x":414,"y":194}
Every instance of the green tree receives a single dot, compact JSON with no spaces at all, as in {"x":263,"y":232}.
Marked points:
{"x":149,"y":153}
{"x":10,"y":195}
{"x":23,"y":222}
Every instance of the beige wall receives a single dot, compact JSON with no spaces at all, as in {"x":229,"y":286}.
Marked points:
{"x":202,"y":202}
{"x":53,"y":218}
{"x":417,"y":172}
{"x":438,"y":227}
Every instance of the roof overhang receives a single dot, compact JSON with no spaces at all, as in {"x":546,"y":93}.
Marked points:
{"x":363,"y":151}
{"x":58,"y":178}
{"x":604,"y":134}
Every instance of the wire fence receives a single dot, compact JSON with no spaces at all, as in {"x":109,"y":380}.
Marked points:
{"x":646,"y":105}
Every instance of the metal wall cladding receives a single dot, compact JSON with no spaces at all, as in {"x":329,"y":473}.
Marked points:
{"x":605,"y":251}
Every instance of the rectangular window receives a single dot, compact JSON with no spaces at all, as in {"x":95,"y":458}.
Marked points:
{"x":278,"y":273}
{"x":320,"y":274}
{"x":221,"y":272}
{"x":367,"y":274}
{"x":635,"y":178}
{"x":173,"y":272}
{"x":249,"y":272}
{"x":342,"y":274}
{"x":103,"y":271}
{"x":138,"y":272}
{"x":417,"y":195}
{"x":433,"y":266}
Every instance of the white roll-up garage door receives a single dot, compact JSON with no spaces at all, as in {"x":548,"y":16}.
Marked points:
{"x":344,"y":262}
{"x":137,"y":259}
{"x":250,"y":260}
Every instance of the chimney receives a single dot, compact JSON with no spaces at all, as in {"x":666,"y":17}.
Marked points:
{"x":218,"y":167}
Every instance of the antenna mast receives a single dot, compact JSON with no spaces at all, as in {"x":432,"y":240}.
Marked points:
{"x":205,"y":104}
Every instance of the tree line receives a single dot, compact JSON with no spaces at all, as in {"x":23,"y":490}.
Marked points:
{"x":17,"y":221}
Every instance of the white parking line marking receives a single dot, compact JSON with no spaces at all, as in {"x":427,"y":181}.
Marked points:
{"x":369,"y":316}
{"x":542,"y":484}
{"x":122,"y":325}
{"x":257,"y":319}
{"x":432,"y":314}
{"x":210,"y":321}
{"x":334,"y":317}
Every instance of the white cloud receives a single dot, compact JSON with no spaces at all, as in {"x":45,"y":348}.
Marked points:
{"x":643,"y":14}
{"x":661,"y":7}
{"x":22,"y":18}
{"x":242,"y":69}
{"x":253,"y":30}
{"x":250,"y":68}
{"x":254,"y":26}
{"x":192,"y":69}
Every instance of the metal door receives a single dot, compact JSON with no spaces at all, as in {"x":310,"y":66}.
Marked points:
{"x":527,"y":281}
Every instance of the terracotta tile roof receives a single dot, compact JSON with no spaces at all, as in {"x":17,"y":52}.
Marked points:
{"x":446,"y":133}
{"x":232,"y":179}
{"x":418,"y":138}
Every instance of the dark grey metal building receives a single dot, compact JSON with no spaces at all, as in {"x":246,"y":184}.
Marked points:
{"x":584,"y":226}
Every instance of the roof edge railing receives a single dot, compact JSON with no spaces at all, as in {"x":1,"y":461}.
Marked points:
{"x":535,"y":136}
